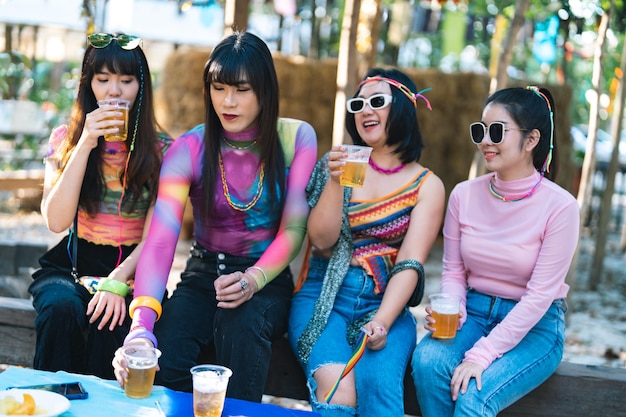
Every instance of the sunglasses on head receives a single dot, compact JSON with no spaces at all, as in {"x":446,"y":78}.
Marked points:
{"x":376,"y":102}
{"x":102,"y":40}
{"x":478,"y":131}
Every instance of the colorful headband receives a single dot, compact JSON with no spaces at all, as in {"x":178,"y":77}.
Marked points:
{"x":403,"y":88}
{"x":546,"y":164}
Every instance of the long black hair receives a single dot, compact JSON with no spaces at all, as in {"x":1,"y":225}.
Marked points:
{"x":240,"y":56}
{"x":145,"y":160}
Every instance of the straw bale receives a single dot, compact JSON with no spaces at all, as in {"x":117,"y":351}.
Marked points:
{"x":307,"y":91}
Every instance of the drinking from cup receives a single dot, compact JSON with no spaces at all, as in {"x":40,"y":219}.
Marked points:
{"x":353,"y":173}
{"x":142,"y":362}
{"x":209,"y":389}
{"x":122,"y":106}
{"x":446,"y":314}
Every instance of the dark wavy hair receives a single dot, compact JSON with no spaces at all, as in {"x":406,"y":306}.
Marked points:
{"x":402,"y":126}
{"x":243,"y":56}
{"x":145,"y":158}
{"x":532,"y":108}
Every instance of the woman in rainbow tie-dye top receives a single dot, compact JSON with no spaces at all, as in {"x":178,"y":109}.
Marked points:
{"x":245,"y":171}
{"x":366,"y":262}
{"x":108,"y":188}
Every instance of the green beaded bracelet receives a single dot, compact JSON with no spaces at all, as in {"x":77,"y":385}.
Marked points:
{"x":111,"y":285}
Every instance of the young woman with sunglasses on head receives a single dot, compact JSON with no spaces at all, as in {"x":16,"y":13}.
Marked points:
{"x":244,"y":171}
{"x":509,"y":239}
{"x":103,"y":191}
{"x":366,"y":263}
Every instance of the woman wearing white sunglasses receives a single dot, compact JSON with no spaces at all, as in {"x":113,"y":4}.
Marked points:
{"x":509,"y":239}
{"x":366,"y":263}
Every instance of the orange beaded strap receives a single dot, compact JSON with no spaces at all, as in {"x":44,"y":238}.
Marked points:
{"x":145,"y":301}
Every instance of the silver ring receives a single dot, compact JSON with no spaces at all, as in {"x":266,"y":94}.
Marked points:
{"x":244,"y":285}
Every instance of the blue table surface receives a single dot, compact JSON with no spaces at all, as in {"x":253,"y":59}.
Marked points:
{"x":107,"y":399}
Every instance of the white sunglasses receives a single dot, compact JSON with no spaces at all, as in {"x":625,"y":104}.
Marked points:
{"x":376,"y":102}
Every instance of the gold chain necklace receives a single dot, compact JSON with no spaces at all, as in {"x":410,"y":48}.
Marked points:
{"x":239,"y":147}
{"x":257,"y":195}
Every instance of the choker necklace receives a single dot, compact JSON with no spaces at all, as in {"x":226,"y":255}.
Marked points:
{"x":234,"y":145}
{"x":515,"y":198}
{"x":383,"y":170}
{"x":257,"y":195}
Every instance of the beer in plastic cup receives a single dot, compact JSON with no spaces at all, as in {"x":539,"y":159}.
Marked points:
{"x":446,"y":314}
{"x":209,"y":389}
{"x":353,"y":173}
{"x":142,"y":362}
{"x":122,"y":106}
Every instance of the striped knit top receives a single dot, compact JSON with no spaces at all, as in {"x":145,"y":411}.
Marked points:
{"x":379,"y":226}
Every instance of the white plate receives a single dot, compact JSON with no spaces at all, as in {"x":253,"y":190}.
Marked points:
{"x":47,"y":404}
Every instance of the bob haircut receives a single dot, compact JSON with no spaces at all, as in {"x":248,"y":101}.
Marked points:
{"x":243,"y":58}
{"x":402,"y":128}
{"x":530,"y":111}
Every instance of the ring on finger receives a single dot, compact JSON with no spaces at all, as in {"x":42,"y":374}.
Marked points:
{"x":244,"y":285}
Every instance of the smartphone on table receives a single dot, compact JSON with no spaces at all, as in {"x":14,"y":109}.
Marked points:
{"x":70,"y":390}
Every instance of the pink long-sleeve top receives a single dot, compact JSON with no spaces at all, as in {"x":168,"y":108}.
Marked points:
{"x":257,"y":232}
{"x":518,"y":250}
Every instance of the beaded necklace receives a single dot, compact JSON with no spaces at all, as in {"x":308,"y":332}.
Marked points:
{"x":257,"y":195}
{"x":516,"y":198}
{"x":385,"y":171}
{"x":237,"y":146}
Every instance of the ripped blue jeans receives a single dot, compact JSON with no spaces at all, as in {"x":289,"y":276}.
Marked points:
{"x":379,"y":374}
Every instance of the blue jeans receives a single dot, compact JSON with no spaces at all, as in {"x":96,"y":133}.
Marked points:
{"x":506,"y":380}
{"x":192,"y":330}
{"x":379,"y":374}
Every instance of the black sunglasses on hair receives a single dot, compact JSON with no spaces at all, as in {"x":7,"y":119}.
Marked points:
{"x":376,"y":102}
{"x":102,"y":40}
{"x":478,"y":131}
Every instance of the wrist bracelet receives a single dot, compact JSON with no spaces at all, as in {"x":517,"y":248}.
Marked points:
{"x":145,"y":301}
{"x":256,"y":276}
{"x":114,"y":286}
{"x":141,"y":333}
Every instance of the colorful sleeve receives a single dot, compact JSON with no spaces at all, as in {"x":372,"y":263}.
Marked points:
{"x":177,"y":173}
{"x":57,"y":137}
{"x":286,"y":245}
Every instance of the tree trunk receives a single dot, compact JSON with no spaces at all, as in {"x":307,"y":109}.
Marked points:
{"x":235,"y":16}
{"x":589,"y":162}
{"x":595,"y":274}
{"x":498,"y":82}
{"x":347,"y":78}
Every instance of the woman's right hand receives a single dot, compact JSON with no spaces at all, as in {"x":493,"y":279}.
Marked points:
{"x":335,"y":162}
{"x":120,"y":365}
{"x":430,"y":320}
{"x":98,"y":123}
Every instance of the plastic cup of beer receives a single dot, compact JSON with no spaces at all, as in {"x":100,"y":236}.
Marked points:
{"x":122,"y":106}
{"x":209,"y":389}
{"x":446,"y":314}
{"x":353,"y":173}
{"x":142,"y":363}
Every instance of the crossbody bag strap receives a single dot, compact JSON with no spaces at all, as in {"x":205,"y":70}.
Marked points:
{"x":75,"y":248}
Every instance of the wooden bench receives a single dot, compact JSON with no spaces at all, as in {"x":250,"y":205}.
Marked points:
{"x":574,"y":390}
{"x":21,"y":179}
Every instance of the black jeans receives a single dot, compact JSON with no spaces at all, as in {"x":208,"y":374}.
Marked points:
{"x":65,"y":339}
{"x":192,"y":329}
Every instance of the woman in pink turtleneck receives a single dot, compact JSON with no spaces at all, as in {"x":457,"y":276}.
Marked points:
{"x":509,"y":239}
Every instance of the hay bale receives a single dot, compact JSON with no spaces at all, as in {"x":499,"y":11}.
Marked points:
{"x":307,"y":91}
